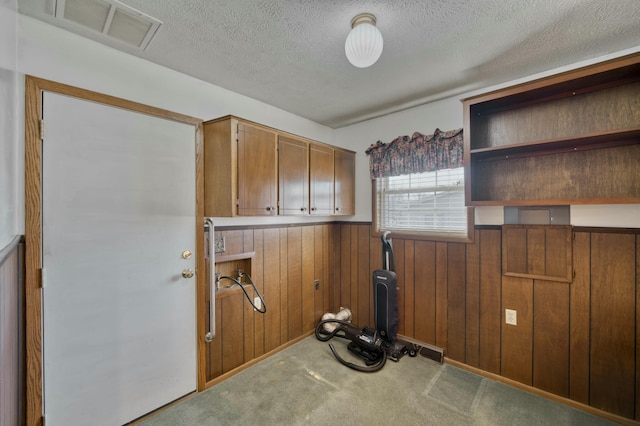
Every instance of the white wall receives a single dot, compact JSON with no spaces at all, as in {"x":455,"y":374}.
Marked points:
{"x":10,"y":210}
{"x":54,"y":54}
{"x":447,"y":114}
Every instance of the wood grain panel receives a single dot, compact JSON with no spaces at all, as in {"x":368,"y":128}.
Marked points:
{"x":589,"y":172}
{"x":231,"y":331}
{"x":353,"y":276}
{"x":580,"y":313}
{"x":399,"y":259}
{"x":214,"y":348}
{"x":425,"y":291}
{"x":344,"y":275}
{"x":272,"y":293}
{"x":257,"y":272}
{"x":308,"y":273}
{"x":472,"y":303}
{"x":284,"y":289}
{"x":293,"y":176}
{"x":294,"y":282}
{"x":558,"y":249}
{"x":249,"y":312}
{"x":456,"y":298}
{"x":441,"y":294}
{"x":364,"y":280}
{"x":551,"y":337}
{"x":490,"y":300}
{"x":612,"y":356}
{"x":536,"y":250}
{"x":233,"y":241}
{"x":320,"y":296}
{"x":409,"y":288}
{"x":514,"y":255}
{"x":517,"y":341}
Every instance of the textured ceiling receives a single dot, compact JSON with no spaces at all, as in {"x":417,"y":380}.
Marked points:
{"x":290,"y":53}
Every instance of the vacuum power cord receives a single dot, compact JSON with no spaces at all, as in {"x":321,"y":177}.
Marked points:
{"x":241,"y":274}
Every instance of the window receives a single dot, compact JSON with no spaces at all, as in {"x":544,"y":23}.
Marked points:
{"x":429,"y":204}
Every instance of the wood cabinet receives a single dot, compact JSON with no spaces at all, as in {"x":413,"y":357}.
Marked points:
{"x":293,"y":176}
{"x":240,"y":168}
{"x":321,"y":183}
{"x":254,"y":170}
{"x":344,"y":178}
{"x":572,"y":138}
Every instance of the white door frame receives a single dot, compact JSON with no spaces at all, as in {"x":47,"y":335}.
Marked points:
{"x":33,"y":209}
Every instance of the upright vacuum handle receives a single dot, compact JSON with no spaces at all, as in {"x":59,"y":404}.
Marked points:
{"x":387,"y":252}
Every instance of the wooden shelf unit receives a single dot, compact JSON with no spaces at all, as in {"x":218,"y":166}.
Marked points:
{"x":572,"y":138}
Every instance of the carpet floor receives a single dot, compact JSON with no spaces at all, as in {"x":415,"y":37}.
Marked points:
{"x":305,"y":385}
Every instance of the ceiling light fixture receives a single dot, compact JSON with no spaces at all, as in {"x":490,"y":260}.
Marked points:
{"x":364,"y":42}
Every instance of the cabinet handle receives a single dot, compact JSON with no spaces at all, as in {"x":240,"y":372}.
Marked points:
{"x":303,"y":209}
{"x":270,"y":209}
{"x":313,"y":209}
{"x":337,"y":209}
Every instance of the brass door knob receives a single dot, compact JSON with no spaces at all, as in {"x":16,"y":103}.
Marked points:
{"x":187,"y":273}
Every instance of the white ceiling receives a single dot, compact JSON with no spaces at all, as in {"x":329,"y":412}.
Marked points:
{"x":290,"y":53}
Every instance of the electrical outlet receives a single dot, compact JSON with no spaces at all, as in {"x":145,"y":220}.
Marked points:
{"x":218,"y":243}
{"x":316,"y":285}
{"x":511,"y":317}
{"x":257,"y":303}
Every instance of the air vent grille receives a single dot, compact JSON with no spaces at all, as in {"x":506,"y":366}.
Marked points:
{"x":111,"y":18}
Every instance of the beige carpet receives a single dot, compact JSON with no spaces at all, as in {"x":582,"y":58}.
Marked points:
{"x":305,"y":385}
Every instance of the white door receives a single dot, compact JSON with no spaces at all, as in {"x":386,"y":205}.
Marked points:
{"x":118,"y":210}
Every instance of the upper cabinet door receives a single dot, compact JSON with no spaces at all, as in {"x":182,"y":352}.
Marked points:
{"x":257,"y":171}
{"x":293,"y":176}
{"x":345,"y":176}
{"x":321,"y":180}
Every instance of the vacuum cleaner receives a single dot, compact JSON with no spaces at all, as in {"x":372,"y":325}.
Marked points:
{"x":373,"y":345}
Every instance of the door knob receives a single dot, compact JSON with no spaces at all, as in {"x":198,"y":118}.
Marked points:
{"x":187,"y":273}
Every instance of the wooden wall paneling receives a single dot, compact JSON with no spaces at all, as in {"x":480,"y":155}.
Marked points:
{"x":441,"y":294}
{"x":425,"y":291}
{"x":352,"y":276}
{"x":294,"y":282}
{"x":558,"y":251}
{"x":551,"y":337}
{"x":214,"y":352}
{"x":364,"y":280}
{"x":456,"y":306}
{"x":514,"y":240}
{"x":536,"y":250}
{"x":399,"y":259}
{"x":472,"y":303}
{"x":308,"y":274}
{"x":320,"y":296}
{"x":579,"y":316}
{"x":517,"y":341}
{"x":284,"y":289}
{"x":375,"y":262}
{"x":272,"y":293}
{"x":612,"y":356}
{"x":249,"y":316}
{"x":334,"y":245}
{"x":233,"y":242}
{"x":490,"y":300}
{"x":409,"y":282}
{"x":327,"y":265}
{"x":232,"y":327}
{"x":344,"y":275}
{"x":257,"y":273}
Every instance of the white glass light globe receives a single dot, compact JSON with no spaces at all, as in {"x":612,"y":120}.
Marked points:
{"x":363,"y":45}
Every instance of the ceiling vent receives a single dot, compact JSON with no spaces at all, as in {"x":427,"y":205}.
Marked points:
{"x":111,"y":18}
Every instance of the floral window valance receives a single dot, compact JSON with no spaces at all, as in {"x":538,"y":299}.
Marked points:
{"x":416,"y":154}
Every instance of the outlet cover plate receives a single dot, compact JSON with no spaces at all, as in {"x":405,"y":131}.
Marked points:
{"x":511,"y":317}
